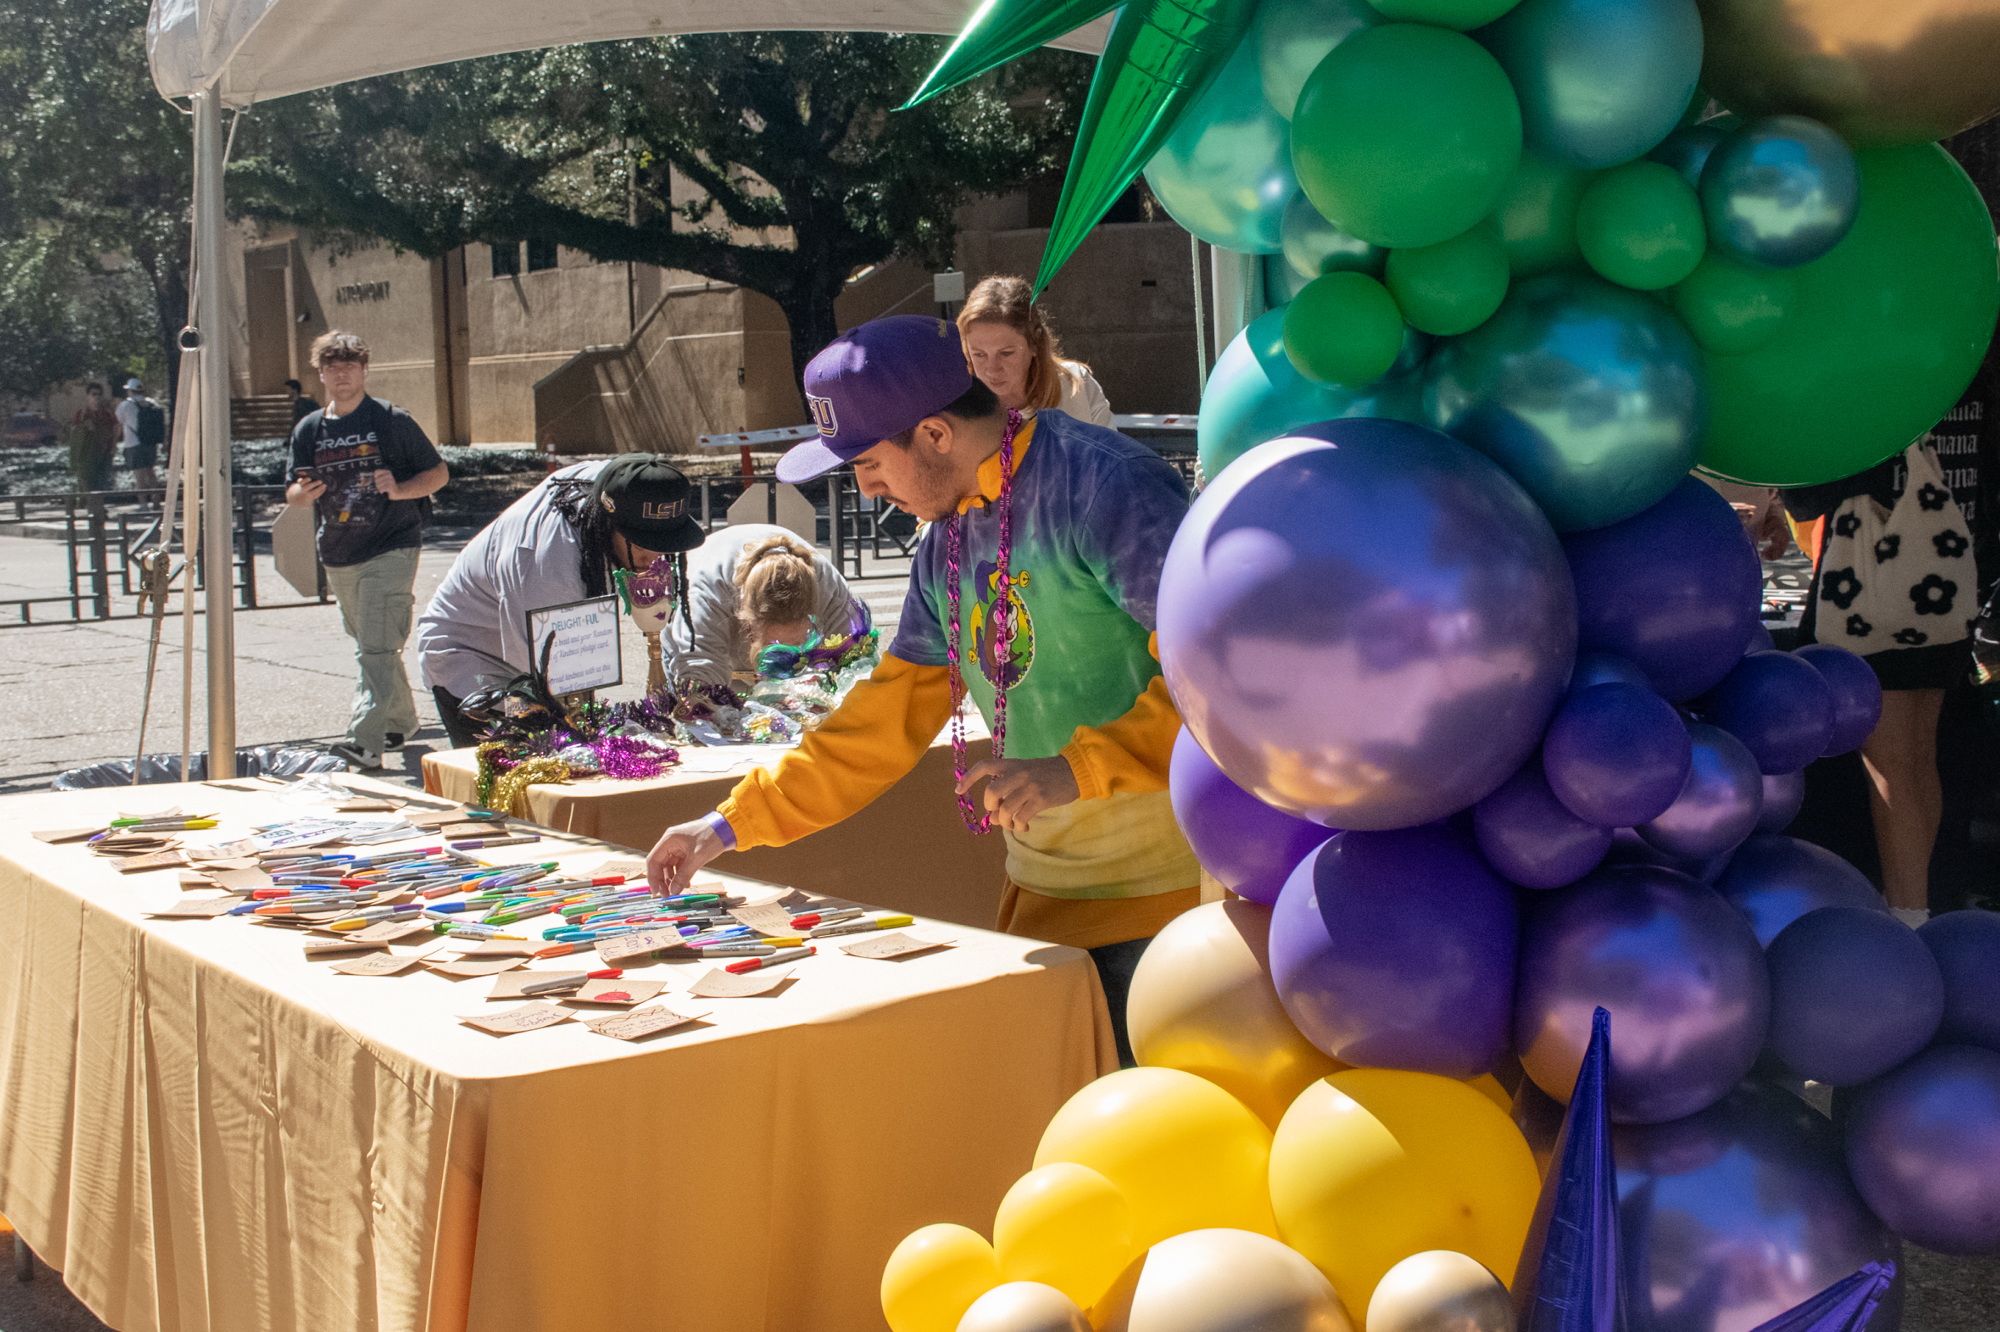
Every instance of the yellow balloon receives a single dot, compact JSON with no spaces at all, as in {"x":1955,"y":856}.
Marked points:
{"x":1023,"y":1306}
{"x":1185,"y":1153}
{"x":1440,"y":1291}
{"x":1489,"y":1086}
{"x":1221,"y":1281}
{"x":1066,"y":1226}
{"x":1372,"y":1165}
{"x":1202,"y":1002}
{"x":934,"y":1276}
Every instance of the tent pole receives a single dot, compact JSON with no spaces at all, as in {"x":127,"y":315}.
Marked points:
{"x":218,"y":568}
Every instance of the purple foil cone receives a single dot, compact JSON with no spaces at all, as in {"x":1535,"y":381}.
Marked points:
{"x":1845,"y":1306}
{"x":1568,"y":1275}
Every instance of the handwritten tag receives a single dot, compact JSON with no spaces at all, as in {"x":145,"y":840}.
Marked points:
{"x":241,"y":880}
{"x":392,"y":931}
{"x":624,"y":991}
{"x":502,"y":948}
{"x":57,"y":836}
{"x":466,"y":968}
{"x":632,"y":945}
{"x":767,"y":919}
{"x":376,"y":964}
{"x":197,"y":908}
{"x":509,"y":985}
{"x":528,"y":1017}
{"x":476,"y":830}
{"x":366,"y":805}
{"x":433,"y":819}
{"x":631,"y":867}
{"x":341,"y":947}
{"x":641,"y":1022}
{"x":893,"y":945}
{"x":720,"y":984}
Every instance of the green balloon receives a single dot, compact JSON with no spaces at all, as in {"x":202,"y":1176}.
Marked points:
{"x":1293,"y":36}
{"x":1732,"y":309}
{"x":1464,"y":15}
{"x":999,"y":31}
{"x":1640,"y":226}
{"x":1536,"y":215}
{"x":1406,"y":135}
{"x":1887,"y":330}
{"x":1453,"y":286}
{"x":1343,"y":328}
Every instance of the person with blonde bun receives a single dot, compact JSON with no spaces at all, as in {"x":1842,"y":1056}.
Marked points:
{"x":1015,"y":353}
{"x":750,"y":586}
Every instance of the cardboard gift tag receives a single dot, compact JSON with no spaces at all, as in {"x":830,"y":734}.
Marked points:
{"x":508,"y":986}
{"x":57,"y":836}
{"x":122,"y":847}
{"x":342,"y":947}
{"x":769,"y":919}
{"x":157,"y":860}
{"x":237,"y":879}
{"x":501,"y":948}
{"x":528,"y":1017}
{"x":893,"y":945}
{"x":633,"y":868}
{"x":720,"y":984}
{"x":476,"y":831}
{"x":377,"y":964}
{"x":433,"y":819}
{"x":623,"y":991}
{"x":641,"y":1022}
{"x":197,"y":908}
{"x":651,"y":941}
{"x":395,"y":931}
{"x":367,"y":805}
{"x":466,"y":968}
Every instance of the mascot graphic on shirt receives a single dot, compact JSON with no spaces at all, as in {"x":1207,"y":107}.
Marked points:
{"x":987,"y":619}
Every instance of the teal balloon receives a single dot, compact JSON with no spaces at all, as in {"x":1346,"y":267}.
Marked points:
{"x":1589,"y":395}
{"x":1780,"y":192}
{"x":1225,"y":173}
{"x":1281,"y":280}
{"x":1314,"y":245}
{"x":1600,"y":81}
{"x":1536,"y":215}
{"x":1254,"y":394}
{"x":1687,"y":149}
{"x":1292,"y":36}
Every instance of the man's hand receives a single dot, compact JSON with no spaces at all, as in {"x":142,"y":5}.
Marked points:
{"x":304,"y":491}
{"x":1019,"y":789}
{"x":385,"y":481}
{"x":681,"y":850}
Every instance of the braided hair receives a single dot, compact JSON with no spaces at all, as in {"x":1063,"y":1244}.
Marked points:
{"x":572,"y":499}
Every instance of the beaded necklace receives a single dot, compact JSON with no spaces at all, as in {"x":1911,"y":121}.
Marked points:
{"x":1001,"y":626}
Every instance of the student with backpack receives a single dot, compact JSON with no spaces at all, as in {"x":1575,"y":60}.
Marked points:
{"x":144,"y":422}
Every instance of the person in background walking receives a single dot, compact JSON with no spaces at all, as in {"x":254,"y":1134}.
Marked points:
{"x":302,"y":406}
{"x":1014,"y":352}
{"x":145,"y":425}
{"x":93,"y":442}
{"x":369,"y":470}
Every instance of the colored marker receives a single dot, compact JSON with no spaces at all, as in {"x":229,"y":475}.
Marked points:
{"x":489,"y":843}
{"x":778,"y":958}
{"x":147,"y":825}
{"x":861,"y":926}
{"x":571,"y":982}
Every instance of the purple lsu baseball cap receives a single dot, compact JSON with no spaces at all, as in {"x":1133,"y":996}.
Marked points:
{"x":873,"y":382}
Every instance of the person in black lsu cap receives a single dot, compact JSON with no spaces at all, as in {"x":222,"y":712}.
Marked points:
{"x":556,"y":544}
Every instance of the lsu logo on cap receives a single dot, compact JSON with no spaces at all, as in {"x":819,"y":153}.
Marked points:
{"x":660,"y":513}
{"x":823,"y":417}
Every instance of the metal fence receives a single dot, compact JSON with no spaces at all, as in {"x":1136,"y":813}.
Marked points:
{"x":102,"y":543}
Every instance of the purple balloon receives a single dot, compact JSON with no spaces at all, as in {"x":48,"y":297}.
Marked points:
{"x":1923,"y":1145}
{"x":1854,"y":993}
{"x":1396,"y":950}
{"x":1784,"y":797}
{"x":1674,"y":589}
{"x":1596,"y":668}
{"x":1248,"y":846}
{"x":1677,"y":968}
{"x":1761,"y":640}
{"x":1628,"y":848}
{"x":1720,"y":804}
{"x":1778,"y":706}
{"x":1616,"y":755}
{"x":1857,"y":694}
{"x":1369,"y":633}
{"x":1966,"y":945}
{"x":1531,"y":837}
{"x":1739,"y":1213}
{"x":1774,"y":880}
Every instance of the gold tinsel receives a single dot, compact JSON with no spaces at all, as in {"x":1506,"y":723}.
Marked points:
{"x":508,"y":791}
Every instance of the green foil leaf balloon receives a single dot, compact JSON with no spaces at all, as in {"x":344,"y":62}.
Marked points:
{"x":1002,"y":30}
{"x":1160,"y":59}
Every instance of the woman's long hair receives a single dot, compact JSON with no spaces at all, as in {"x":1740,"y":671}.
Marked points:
{"x":1011,"y":301}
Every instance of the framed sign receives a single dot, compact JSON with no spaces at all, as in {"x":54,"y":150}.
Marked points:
{"x":586,"y":653}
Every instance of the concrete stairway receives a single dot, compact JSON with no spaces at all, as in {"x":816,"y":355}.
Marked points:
{"x":267,"y":416}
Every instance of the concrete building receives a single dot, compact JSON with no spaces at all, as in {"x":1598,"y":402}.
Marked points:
{"x":542,"y":344}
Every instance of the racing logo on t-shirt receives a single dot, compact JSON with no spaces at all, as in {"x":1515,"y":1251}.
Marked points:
{"x":988,"y":621}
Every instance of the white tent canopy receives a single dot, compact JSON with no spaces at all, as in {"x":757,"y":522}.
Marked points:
{"x":253,"y":50}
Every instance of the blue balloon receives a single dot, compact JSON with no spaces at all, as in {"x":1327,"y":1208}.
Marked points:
{"x":1255,"y":394}
{"x":1315,"y":246}
{"x":1740,"y":1212}
{"x":1281,"y":281}
{"x":1628,"y":848}
{"x":1531,"y":837}
{"x":1396,"y":950}
{"x":1848,"y":1305}
{"x":1760,"y":640}
{"x":1777,"y":705}
{"x":1719,"y":805}
{"x":1569,"y":1272}
{"x":1780,"y":192}
{"x":1250,"y":848}
{"x":1600,"y":81}
{"x":1291,"y":37}
{"x":1617,"y":755}
{"x":1857,"y":694}
{"x":1679,"y":971}
{"x":1674,"y":590}
{"x":1369,"y":632}
{"x":1923,"y":1145}
{"x":1596,"y":668}
{"x":1774,"y":880}
{"x":1591,"y":396}
{"x":1225,"y":173}
{"x":1784,"y":797}
{"x":1687,"y":149}
{"x":1966,"y":945}
{"x":1854,"y":993}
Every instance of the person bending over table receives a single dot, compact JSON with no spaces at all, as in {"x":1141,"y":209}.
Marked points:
{"x":1016,"y":354}
{"x":1094,"y":857}
{"x":750,"y":586}
{"x":556,"y":544}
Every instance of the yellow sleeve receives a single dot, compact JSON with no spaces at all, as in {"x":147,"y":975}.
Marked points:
{"x":1131,"y":753}
{"x":876,"y":735}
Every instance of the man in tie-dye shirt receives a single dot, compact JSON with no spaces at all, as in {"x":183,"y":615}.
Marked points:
{"x":1094,"y":858}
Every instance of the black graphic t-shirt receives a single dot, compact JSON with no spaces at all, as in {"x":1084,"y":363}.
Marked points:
{"x":357,"y":522}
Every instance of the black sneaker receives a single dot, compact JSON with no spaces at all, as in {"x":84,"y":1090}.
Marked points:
{"x":357,"y":757}
{"x":392,"y":740}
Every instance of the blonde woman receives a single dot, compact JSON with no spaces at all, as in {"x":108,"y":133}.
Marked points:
{"x":1014,"y":352}
{"x":750,"y":586}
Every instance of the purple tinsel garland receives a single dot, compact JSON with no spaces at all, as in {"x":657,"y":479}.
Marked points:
{"x":630,"y":759}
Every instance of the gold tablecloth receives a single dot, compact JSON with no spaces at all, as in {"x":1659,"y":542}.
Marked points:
{"x":907,"y":850}
{"x":202,"y":1130}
